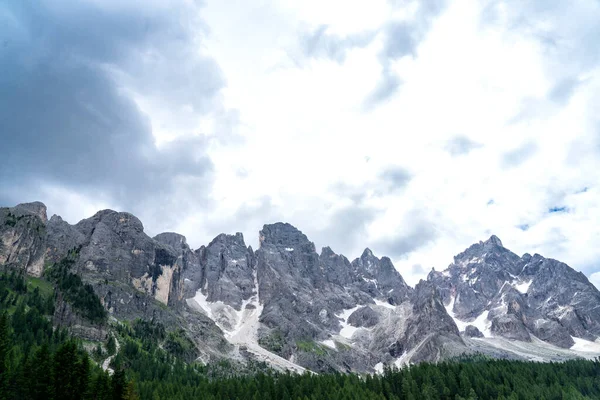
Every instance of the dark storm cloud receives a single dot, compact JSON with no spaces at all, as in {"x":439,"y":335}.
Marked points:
{"x":519,"y":155}
{"x":67,"y":116}
{"x":321,"y":44}
{"x":461,"y":145}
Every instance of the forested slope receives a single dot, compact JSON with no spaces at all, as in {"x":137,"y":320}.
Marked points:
{"x":38,"y":361}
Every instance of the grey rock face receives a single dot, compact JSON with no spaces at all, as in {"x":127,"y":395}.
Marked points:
{"x":510,"y":327}
{"x":522,"y":296}
{"x":61,"y":238}
{"x":185,"y":284}
{"x":552,"y":332}
{"x":290,"y":285}
{"x":227,"y":270}
{"x":35,"y":208}
{"x":77,"y":325}
{"x":23,"y":237}
{"x":380,"y":278}
{"x":130,"y":272}
{"x":114,"y":247}
{"x":473,"y":331}
{"x":307,"y":298}
{"x":430,"y":324}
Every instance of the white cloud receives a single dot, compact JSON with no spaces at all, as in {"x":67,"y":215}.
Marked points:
{"x":595,"y":279}
{"x":485,"y":81}
{"x":494,"y":121}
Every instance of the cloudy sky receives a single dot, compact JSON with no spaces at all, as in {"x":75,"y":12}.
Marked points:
{"x":414,"y":128}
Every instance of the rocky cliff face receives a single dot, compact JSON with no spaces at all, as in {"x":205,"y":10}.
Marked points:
{"x":320,"y":310}
{"x":522,"y":298}
{"x":23,"y":237}
{"x":113,"y":246}
{"x":131,"y":273}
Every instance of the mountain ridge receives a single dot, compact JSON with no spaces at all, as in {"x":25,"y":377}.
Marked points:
{"x":295,"y":308}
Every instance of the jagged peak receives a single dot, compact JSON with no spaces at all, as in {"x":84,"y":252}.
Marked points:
{"x":56,"y":218}
{"x":367,"y":253}
{"x":238,"y":238}
{"x":115,"y":219}
{"x":493,"y":240}
{"x":282,"y":234}
{"x":327,"y":252}
{"x":36,"y":208}
{"x":173,"y":239}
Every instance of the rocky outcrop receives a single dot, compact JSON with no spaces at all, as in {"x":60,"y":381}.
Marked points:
{"x":227,"y":270}
{"x":61,"y":237}
{"x":380,"y":279}
{"x":430,"y":324}
{"x":364,"y":317}
{"x":113,"y":247}
{"x":510,"y":327}
{"x":473,"y":331}
{"x":65,"y":316}
{"x":23,"y":237}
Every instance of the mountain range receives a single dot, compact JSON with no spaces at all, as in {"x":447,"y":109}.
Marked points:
{"x":298,"y":309}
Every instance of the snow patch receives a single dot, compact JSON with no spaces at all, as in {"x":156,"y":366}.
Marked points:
{"x":329,"y":343}
{"x":585,"y":346}
{"x":481,"y":322}
{"x":373,"y":281}
{"x":289,"y":249}
{"x":347,"y":330}
{"x":537,"y":350}
{"x":450,"y":310}
{"x":523,"y":287}
{"x":561,"y":311}
{"x":378,"y":368}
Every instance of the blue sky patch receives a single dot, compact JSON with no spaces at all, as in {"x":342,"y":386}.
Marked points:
{"x":557,"y":209}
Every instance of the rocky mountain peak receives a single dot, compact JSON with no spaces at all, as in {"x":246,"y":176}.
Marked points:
{"x":23,"y":237}
{"x":281,"y":234}
{"x":327,"y":252}
{"x":226,"y":239}
{"x":121,"y":222}
{"x":518,"y":298}
{"x":367,"y":253}
{"x":175,"y":240}
{"x":36,"y":208}
{"x":55,"y":218}
{"x":493,"y":241}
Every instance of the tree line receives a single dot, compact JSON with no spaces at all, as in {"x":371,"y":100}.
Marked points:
{"x":39,"y":361}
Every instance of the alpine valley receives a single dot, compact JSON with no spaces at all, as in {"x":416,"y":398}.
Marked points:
{"x":298,"y":309}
